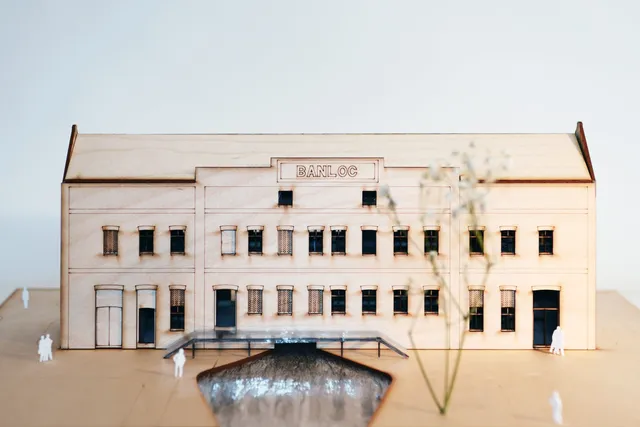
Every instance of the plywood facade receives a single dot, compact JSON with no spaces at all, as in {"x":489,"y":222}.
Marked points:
{"x":234,"y":184}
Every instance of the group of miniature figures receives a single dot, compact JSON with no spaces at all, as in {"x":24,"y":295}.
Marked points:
{"x":44,"y":348}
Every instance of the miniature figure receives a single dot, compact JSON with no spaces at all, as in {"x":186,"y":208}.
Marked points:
{"x":41,"y":350}
{"x":179,"y":359}
{"x":48,"y":345}
{"x":557,"y":341}
{"x":556,"y":407}
{"x":25,"y":297}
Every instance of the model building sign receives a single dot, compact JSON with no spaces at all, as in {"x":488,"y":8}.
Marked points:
{"x":327,"y":171}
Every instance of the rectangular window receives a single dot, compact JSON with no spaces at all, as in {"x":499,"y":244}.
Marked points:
{"x":146,"y":241}
{"x":400,"y":301}
{"x":255,"y":301}
{"x":177,"y":309}
{"x":338,"y":301}
{"x":508,"y":310}
{"x":431,"y":297}
{"x":177,"y":242}
{"x":285,"y":198}
{"x":110,"y":241}
{"x":545,"y":242}
{"x":431,"y":241}
{"x":338,"y":242}
{"x":476,"y":242}
{"x":228,"y":241}
{"x":285,"y":241}
{"x":369,"y":301}
{"x":255,"y":242}
{"x":369,"y":198}
{"x":508,"y":242}
{"x":315,"y":301}
{"x":476,"y":310}
{"x":369,"y":242}
{"x":315,"y":241}
{"x":285,"y":302}
{"x":401,"y":242}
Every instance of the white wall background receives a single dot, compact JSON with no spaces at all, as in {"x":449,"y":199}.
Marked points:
{"x":291,"y":66}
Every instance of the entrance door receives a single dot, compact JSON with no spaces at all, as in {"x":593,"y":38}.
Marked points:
{"x":109,"y":327}
{"x":225,"y":308}
{"x":546,"y":316}
{"x":146,"y":326}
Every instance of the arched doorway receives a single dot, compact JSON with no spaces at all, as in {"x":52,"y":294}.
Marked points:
{"x":546,"y":316}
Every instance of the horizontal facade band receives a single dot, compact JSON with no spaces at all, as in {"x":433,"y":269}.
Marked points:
{"x":146,"y":287}
{"x":177,"y":227}
{"x":225,"y":287}
{"x":108,"y":287}
{"x":255,"y":287}
{"x":179,"y":287}
{"x":284,"y":287}
{"x":315,"y":287}
{"x":132,"y":211}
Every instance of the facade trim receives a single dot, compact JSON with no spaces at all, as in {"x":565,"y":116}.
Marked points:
{"x":315,"y":228}
{"x":255,"y":227}
{"x":369,"y":227}
{"x":180,"y":287}
{"x":223,"y":287}
{"x":109,"y":288}
{"x":508,"y":288}
{"x":177,"y":227}
{"x":546,"y":228}
{"x":431,"y":228}
{"x":546,"y":288}
{"x":338,"y":227}
{"x":477,"y":228}
{"x":146,"y":227}
{"x":228,"y":227}
{"x":338,"y":287}
{"x":285,"y":227}
{"x":284,"y":287}
{"x":508,"y":228}
{"x":369,"y":287}
{"x":400,"y":287}
{"x":430,"y":287}
{"x":110,"y":228}
{"x":255,"y":287}
{"x":146,"y":287}
{"x":400,"y":228}
{"x":476,"y":287}
{"x":315,"y":287}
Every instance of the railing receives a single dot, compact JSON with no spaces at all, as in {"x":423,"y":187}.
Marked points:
{"x":281,"y":336}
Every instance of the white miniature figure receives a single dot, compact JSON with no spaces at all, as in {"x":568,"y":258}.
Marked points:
{"x":25,"y":297}
{"x":41,"y":350}
{"x":557,"y":341}
{"x":556,"y":407}
{"x":179,"y":359}
{"x":48,"y":344}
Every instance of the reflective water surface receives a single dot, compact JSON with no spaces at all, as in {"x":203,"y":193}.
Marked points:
{"x":293,"y":386}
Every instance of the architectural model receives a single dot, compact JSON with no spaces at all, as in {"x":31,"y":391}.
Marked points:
{"x":163,"y":235}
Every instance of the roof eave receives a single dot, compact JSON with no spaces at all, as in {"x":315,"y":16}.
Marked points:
{"x":72,"y":143}
{"x":584,"y":148}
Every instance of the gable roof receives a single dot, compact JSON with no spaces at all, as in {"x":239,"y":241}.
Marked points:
{"x":172,"y":157}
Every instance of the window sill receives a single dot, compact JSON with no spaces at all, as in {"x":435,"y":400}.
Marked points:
{"x":178,"y":253}
{"x":316,"y":253}
{"x":545,"y":254}
{"x":372,"y":205}
{"x":338,"y":253}
{"x":285,"y":254}
{"x":285,"y":314}
{"x":369,"y":255}
{"x":401,"y":254}
{"x":507,"y":330}
{"x":507,"y":254}
{"x":255,"y":253}
{"x":369,"y":313}
{"x":476,"y":330}
{"x":400,"y":313}
{"x":176,"y":330}
{"x":339,"y":313}
{"x":285,"y":206}
{"x":476,"y":254}
{"x":254,"y":314}
{"x":146,"y":253}
{"x":114,"y":254}
{"x":315,"y":314}
{"x":431,"y":313}
{"x":230,"y":254}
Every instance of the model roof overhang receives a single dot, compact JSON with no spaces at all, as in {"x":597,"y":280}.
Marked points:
{"x":163,"y":158}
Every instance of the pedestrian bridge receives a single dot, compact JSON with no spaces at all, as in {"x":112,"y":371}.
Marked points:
{"x":280,"y":336}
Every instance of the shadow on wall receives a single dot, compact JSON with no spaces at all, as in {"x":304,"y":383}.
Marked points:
{"x":294,"y":385}
{"x":30,"y":253}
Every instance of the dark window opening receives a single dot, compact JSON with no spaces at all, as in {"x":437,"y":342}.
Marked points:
{"x":146,"y":241}
{"x":369,"y":242}
{"x":255,"y":242}
{"x":400,"y":301}
{"x":431,"y":241}
{"x":476,"y":242}
{"x":177,"y":242}
{"x":431,"y":297}
{"x":285,"y":198}
{"x":369,"y":301}
{"x":545,"y":242}
{"x":401,"y":242}
{"x":338,"y":301}
{"x":369,"y":198}
{"x":508,"y":242}
{"x":338,"y":242}
{"x":315,"y":241}
{"x":508,"y":310}
{"x":177,"y":310}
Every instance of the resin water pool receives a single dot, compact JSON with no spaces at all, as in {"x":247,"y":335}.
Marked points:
{"x":292,"y":386}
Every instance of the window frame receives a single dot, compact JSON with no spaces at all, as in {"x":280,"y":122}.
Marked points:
{"x":285,"y":238}
{"x":259,"y":291}
{"x":401,"y":241}
{"x":431,"y":235}
{"x":546,"y":237}
{"x":339,"y":236}
{"x":283,"y":292}
{"x":319,"y":292}
{"x":508,"y":241}
{"x":285,"y":198}
{"x":114,"y":232}
{"x":146,"y":234}
{"x":507,"y":313}
{"x":255,"y":235}
{"x":369,"y":295}
{"x":174,"y":310}
{"x":316,"y":240}
{"x":429,"y":296}
{"x":400,"y":301}
{"x":367,"y":231}
{"x":177,"y":233}
{"x":476,"y":312}
{"x":369,"y":198}
{"x":232,"y":249}
{"x":477,"y":242}
{"x":337,"y":294}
